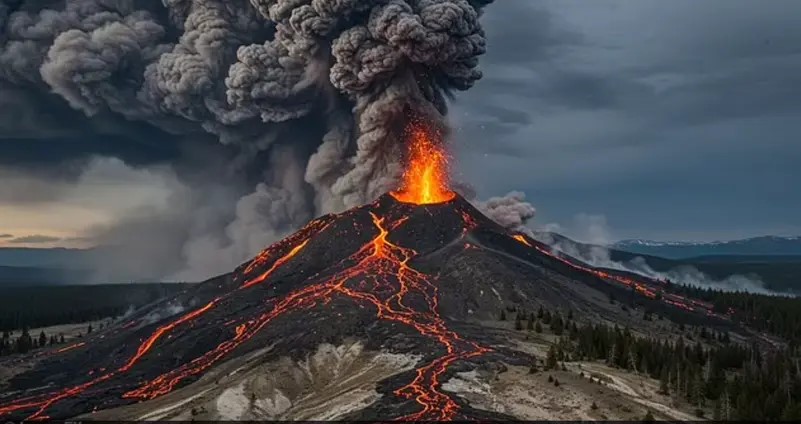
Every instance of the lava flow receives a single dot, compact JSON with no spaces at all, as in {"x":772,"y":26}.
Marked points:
{"x":291,"y":245}
{"x":380,"y":276}
{"x":425,"y":180}
{"x":669,"y":298}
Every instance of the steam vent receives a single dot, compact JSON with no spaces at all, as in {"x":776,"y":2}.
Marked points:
{"x":384,"y":303}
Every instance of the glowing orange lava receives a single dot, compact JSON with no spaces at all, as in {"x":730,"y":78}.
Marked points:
{"x":425,"y":179}
{"x":380,"y":275}
{"x":383,"y":279}
{"x":669,"y":298}
{"x":70,"y":347}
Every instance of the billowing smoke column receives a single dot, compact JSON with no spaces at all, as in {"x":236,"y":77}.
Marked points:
{"x":511,"y":211}
{"x":311,"y":94}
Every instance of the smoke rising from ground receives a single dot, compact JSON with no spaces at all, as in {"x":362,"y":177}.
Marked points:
{"x":594,"y":231}
{"x":303,"y":101}
{"x":512,"y":211}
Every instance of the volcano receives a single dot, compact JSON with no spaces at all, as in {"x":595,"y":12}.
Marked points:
{"x":362,"y":315}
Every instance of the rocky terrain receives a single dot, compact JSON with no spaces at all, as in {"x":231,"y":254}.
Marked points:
{"x":390,"y":310}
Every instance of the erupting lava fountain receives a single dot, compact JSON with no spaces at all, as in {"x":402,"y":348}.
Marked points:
{"x":410,"y":277}
{"x":426,"y":177}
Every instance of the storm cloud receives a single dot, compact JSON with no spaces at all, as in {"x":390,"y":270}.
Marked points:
{"x":675,"y":120}
{"x":265,"y":112}
{"x":240,"y":120}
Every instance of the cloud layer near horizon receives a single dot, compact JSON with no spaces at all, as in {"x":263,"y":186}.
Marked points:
{"x":670,"y":120}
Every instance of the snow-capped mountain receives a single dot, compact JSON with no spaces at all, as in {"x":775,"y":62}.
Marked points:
{"x":765,"y":245}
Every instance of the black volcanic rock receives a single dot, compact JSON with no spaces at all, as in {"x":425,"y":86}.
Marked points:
{"x":402,"y":278}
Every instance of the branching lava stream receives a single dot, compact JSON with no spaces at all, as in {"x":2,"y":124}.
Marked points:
{"x":380,"y":276}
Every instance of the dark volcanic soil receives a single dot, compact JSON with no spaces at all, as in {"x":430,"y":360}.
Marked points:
{"x":402,"y":278}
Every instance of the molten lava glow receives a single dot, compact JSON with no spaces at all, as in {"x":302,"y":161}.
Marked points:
{"x":70,"y":347}
{"x":522,"y":239}
{"x":669,"y":298}
{"x":379,"y":274}
{"x":425,"y":179}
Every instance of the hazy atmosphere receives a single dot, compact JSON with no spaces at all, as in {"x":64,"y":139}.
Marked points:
{"x":407,"y":210}
{"x":614,"y":122}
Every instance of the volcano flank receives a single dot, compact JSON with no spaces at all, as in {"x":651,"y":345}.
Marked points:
{"x":363,"y":315}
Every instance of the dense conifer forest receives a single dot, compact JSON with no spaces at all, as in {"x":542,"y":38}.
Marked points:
{"x":42,"y":306}
{"x":720,"y":378}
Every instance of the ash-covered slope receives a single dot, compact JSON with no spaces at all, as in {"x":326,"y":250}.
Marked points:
{"x":391,"y":295}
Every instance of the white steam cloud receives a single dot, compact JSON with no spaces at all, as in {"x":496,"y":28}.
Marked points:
{"x":512,"y":211}
{"x":595,"y":235}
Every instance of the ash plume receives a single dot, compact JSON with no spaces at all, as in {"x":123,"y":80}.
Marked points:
{"x":512,"y":211}
{"x":300,"y":102}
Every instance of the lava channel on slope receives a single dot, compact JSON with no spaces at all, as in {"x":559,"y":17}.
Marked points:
{"x":690,"y":305}
{"x":380,"y":275}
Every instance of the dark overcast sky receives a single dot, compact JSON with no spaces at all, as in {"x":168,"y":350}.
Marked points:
{"x":663,"y":119}
{"x":673,"y":119}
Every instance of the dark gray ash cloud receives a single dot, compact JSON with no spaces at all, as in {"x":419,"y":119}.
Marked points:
{"x":673,"y":120}
{"x":282,"y":109}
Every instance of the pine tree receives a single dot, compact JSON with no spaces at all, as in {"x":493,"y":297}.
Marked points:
{"x":89,"y":329}
{"x":530,"y":324}
{"x":594,"y":406}
{"x":538,"y":327}
{"x":664,"y":382}
{"x":557,"y":326}
{"x":540,"y":312}
{"x":24,"y":341}
{"x":518,"y":323}
{"x":551,"y":360}
{"x":698,"y":391}
{"x":42,"y":339}
{"x":547,"y":317}
{"x":503,"y":315}
{"x":648,"y":416}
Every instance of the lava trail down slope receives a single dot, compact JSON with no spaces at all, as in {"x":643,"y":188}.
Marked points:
{"x":401,"y":276}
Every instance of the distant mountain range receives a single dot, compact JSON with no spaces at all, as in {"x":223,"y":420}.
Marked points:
{"x":756,"y":246}
{"x":35,"y":266}
{"x":778,"y":272}
{"x":777,"y":260}
{"x":57,"y":257}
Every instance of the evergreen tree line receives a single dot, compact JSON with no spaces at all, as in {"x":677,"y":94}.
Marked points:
{"x":740,"y":382}
{"x":737,"y":381}
{"x":24,"y":342}
{"x":32,"y":307}
{"x":777,"y":315}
